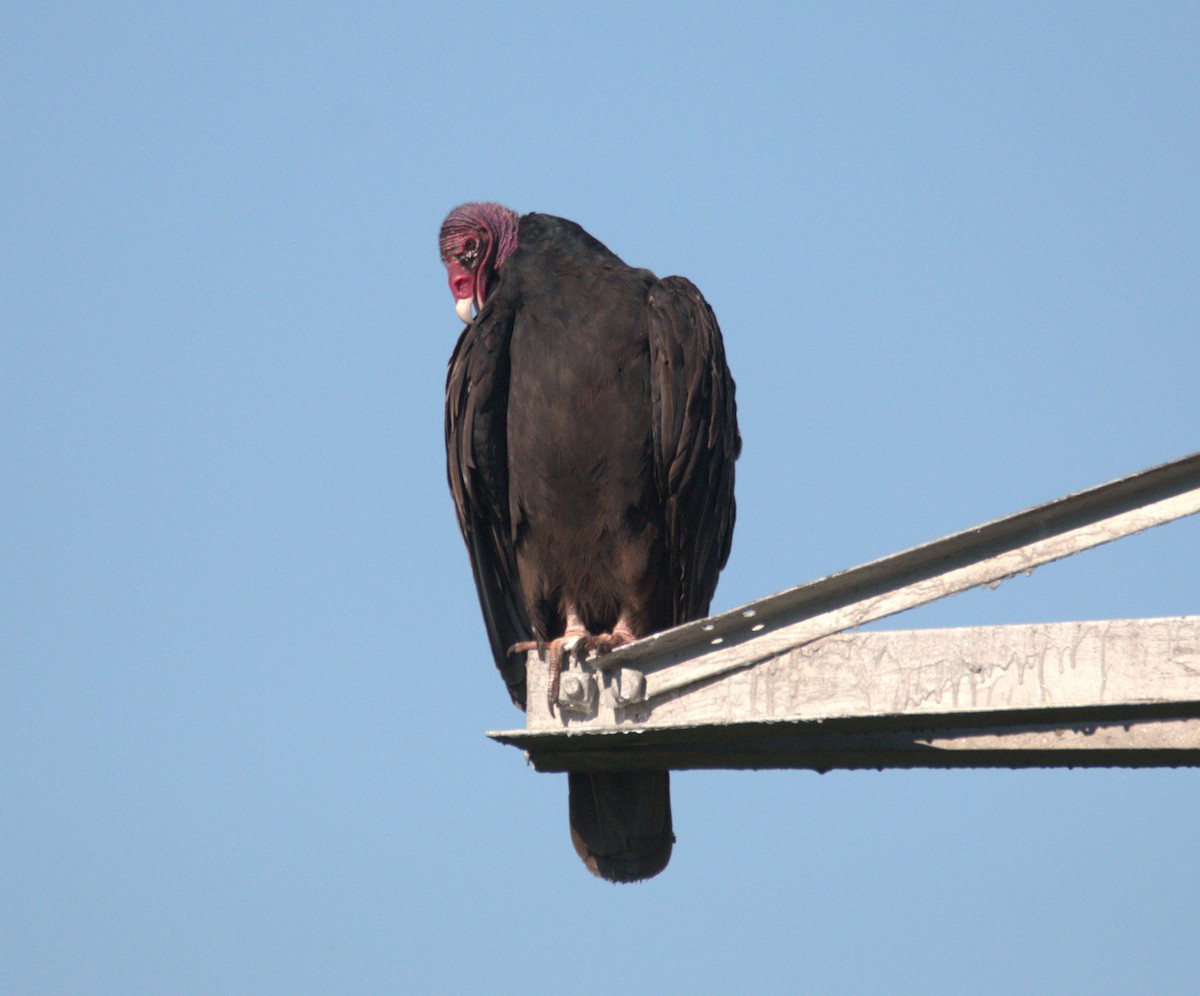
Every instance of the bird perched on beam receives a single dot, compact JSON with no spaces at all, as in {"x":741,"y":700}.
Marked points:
{"x":591,"y":433}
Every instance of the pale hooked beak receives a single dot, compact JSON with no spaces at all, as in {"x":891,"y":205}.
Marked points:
{"x":463,"y":308}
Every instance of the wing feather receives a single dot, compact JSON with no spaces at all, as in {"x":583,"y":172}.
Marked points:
{"x":477,"y":465}
{"x":696,"y":440}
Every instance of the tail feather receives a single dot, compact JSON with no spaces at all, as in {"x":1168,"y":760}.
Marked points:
{"x":621,"y":823}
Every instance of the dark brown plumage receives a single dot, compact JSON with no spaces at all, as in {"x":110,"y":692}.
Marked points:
{"x":591,"y":433}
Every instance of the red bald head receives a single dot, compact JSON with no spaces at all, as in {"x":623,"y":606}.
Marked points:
{"x":475,"y":240}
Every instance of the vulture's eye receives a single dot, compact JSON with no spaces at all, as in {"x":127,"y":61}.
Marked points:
{"x":469,"y":254}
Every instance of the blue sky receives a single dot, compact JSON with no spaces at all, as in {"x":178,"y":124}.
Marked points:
{"x":954,"y":250}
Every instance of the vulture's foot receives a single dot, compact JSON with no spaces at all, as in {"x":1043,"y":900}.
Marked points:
{"x":553,"y":652}
{"x":602,"y":643}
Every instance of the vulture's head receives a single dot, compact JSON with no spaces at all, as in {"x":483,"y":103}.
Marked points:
{"x":475,"y":241}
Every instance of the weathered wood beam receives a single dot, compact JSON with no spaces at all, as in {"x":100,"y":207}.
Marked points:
{"x":1127,"y":742}
{"x":1109,"y":693}
{"x":1109,"y":663}
{"x":777,"y":682}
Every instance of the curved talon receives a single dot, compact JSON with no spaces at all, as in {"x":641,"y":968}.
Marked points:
{"x":554,"y":659}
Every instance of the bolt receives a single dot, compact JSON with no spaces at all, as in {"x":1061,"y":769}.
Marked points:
{"x":629,"y":686}
{"x":577,"y":692}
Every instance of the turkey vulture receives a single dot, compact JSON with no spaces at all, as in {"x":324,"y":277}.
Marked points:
{"x":591,"y":432}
